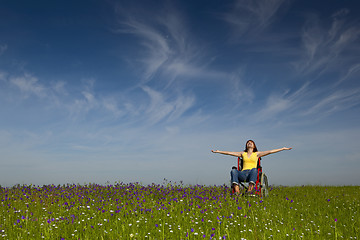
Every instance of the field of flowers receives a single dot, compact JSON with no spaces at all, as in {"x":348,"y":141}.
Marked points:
{"x":175,"y":211}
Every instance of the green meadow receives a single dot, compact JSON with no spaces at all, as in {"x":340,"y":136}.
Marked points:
{"x":175,"y":211}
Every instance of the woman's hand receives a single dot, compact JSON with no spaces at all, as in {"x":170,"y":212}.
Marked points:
{"x":286,"y":148}
{"x":216,"y":151}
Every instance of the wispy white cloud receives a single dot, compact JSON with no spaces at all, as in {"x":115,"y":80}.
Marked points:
{"x":240,"y":92}
{"x":353,"y":70}
{"x":3,"y":48}
{"x":85,"y":101}
{"x":155,"y":43}
{"x":60,"y":87}
{"x":326,"y":51}
{"x":181,"y":105}
{"x":169,"y":51}
{"x":112,"y":106}
{"x":79,"y":103}
{"x":29,"y":85}
{"x":339,"y":100}
{"x":252,"y":16}
{"x":308,"y":102}
{"x":3,"y":76}
{"x":171,"y":59}
{"x":58,"y":95}
{"x":158,"y":108}
{"x":161,"y":107}
{"x":324,"y":46}
{"x":274,"y":105}
{"x":278,"y":104}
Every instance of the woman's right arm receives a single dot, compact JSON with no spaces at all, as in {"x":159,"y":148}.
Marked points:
{"x":235,"y":154}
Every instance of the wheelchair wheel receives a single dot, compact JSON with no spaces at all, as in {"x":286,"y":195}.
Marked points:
{"x":264,"y":185}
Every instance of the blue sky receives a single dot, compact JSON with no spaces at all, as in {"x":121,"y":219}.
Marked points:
{"x":138,"y":91}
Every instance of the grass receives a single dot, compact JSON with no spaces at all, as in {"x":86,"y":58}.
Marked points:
{"x":175,"y":211}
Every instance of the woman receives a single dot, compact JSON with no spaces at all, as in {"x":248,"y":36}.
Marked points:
{"x":250,"y":158}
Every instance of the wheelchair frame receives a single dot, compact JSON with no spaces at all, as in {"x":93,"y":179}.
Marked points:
{"x":261,"y":185}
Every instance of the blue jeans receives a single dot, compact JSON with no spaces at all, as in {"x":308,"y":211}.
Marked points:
{"x":249,"y":175}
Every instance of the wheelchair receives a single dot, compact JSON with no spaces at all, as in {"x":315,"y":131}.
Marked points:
{"x":261,"y":187}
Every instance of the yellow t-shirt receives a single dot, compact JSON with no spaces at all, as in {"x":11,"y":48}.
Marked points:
{"x":249,"y":162}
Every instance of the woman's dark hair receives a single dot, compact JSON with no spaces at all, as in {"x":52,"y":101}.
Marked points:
{"x":255,"y":148}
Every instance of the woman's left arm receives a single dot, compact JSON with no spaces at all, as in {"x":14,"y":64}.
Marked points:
{"x":264,"y":153}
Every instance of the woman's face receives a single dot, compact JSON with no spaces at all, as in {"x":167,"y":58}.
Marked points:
{"x":250,"y":144}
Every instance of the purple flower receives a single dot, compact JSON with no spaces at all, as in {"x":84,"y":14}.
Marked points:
{"x":335,"y":219}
